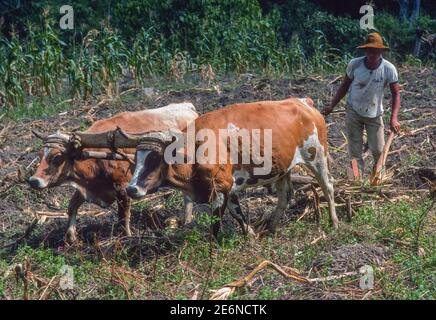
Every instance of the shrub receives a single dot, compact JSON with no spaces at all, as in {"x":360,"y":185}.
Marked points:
{"x":400,"y":36}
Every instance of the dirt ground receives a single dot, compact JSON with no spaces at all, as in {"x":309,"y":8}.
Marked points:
{"x":412,"y":163}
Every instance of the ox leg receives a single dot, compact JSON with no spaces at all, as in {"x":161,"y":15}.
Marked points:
{"x":189,"y":206}
{"x":325,"y":180}
{"x":271,"y":187}
{"x":219,"y":207}
{"x":124,"y":203}
{"x":282,"y":186}
{"x":236,"y":212}
{"x":290,"y":187}
{"x":76,"y":201}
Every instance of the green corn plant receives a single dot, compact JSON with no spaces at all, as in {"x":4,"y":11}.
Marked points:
{"x":76,"y":77}
{"x":227,"y":36}
{"x":45,"y":50}
{"x":295,"y":57}
{"x":324,"y":56}
{"x":14,"y":73}
{"x":113,"y":56}
{"x":181,"y":64}
{"x":151,"y":55}
{"x":2,"y":73}
{"x":88,"y":65}
{"x":142,"y":58}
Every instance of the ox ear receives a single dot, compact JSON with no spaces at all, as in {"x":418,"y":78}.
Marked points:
{"x":39,"y":135}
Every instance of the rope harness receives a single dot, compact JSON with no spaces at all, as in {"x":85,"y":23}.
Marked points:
{"x":151,"y":143}
{"x":56,"y":143}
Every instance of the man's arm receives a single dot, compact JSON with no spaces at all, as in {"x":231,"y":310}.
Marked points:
{"x":342,"y":91}
{"x":395,"y":90}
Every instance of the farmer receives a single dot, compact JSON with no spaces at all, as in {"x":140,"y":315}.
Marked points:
{"x":365,"y":80}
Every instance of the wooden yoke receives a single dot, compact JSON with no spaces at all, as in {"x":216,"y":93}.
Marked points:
{"x":112,"y":140}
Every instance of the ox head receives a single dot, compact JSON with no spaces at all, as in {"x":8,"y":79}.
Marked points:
{"x":56,"y":160}
{"x":150,"y":167}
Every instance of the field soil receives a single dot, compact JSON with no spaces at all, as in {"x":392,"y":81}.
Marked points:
{"x":166,"y":260}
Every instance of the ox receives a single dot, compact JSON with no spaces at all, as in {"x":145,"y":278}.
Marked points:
{"x":299,"y":136}
{"x":103,"y":181}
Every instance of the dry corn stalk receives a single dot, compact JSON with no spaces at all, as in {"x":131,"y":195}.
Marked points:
{"x":227,"y":290}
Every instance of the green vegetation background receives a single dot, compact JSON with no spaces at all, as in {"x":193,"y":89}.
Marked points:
{"x":176,"y":38}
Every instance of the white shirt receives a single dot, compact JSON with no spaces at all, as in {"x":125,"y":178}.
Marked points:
{"x":366,"y":91}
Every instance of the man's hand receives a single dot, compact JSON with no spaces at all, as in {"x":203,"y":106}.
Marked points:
{"x":342,"y":91}
{"x":395,"y":125}
{"x":327,"y":110}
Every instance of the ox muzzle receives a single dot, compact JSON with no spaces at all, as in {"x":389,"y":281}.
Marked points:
{"x":148,"y":156}
{"x":37,"y":183}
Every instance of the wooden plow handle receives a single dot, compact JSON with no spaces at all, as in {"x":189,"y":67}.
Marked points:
{"x":376,"y":176}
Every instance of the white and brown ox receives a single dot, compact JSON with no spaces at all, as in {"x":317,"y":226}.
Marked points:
{"x":299,"y":136}
{"x":102,"y":181}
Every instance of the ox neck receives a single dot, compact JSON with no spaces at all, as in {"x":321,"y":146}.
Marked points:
{"x":82,"y":170}
{"x":179,"y":176}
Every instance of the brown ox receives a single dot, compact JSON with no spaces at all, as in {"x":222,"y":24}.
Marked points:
{"x":299,"y":136}
{"x":103,"y":181}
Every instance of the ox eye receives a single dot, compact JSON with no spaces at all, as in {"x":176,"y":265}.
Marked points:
{"x":57,"y":160}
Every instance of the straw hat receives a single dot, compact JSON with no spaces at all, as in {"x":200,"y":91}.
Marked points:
{"x":373,"y":40}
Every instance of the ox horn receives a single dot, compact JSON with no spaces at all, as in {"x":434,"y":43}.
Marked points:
{"x":133,"y":137}
{"x":165,"y":136}
{"x":39,"y":135}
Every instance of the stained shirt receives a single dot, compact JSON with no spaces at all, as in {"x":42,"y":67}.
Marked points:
{"x":365,"y":95}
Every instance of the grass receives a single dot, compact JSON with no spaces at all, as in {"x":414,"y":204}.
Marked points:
{"x":415,"y":277}
{"x":183,"y":270}
{"x":46,"y":106}
{"x":16,"y":195}
{"x":141,"y":206}
{"x":39,"y":107}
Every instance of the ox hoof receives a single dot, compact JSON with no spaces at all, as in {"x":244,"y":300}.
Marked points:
{"x":271,"y":228}
{"x":260,"y":225}
{"x":335,"y":225}
{"x":71,"y":238}
{"x":265,"y":228}
{"x":250,"y":233}
{"x":122,"y":230}
{"x":188,"y":221}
